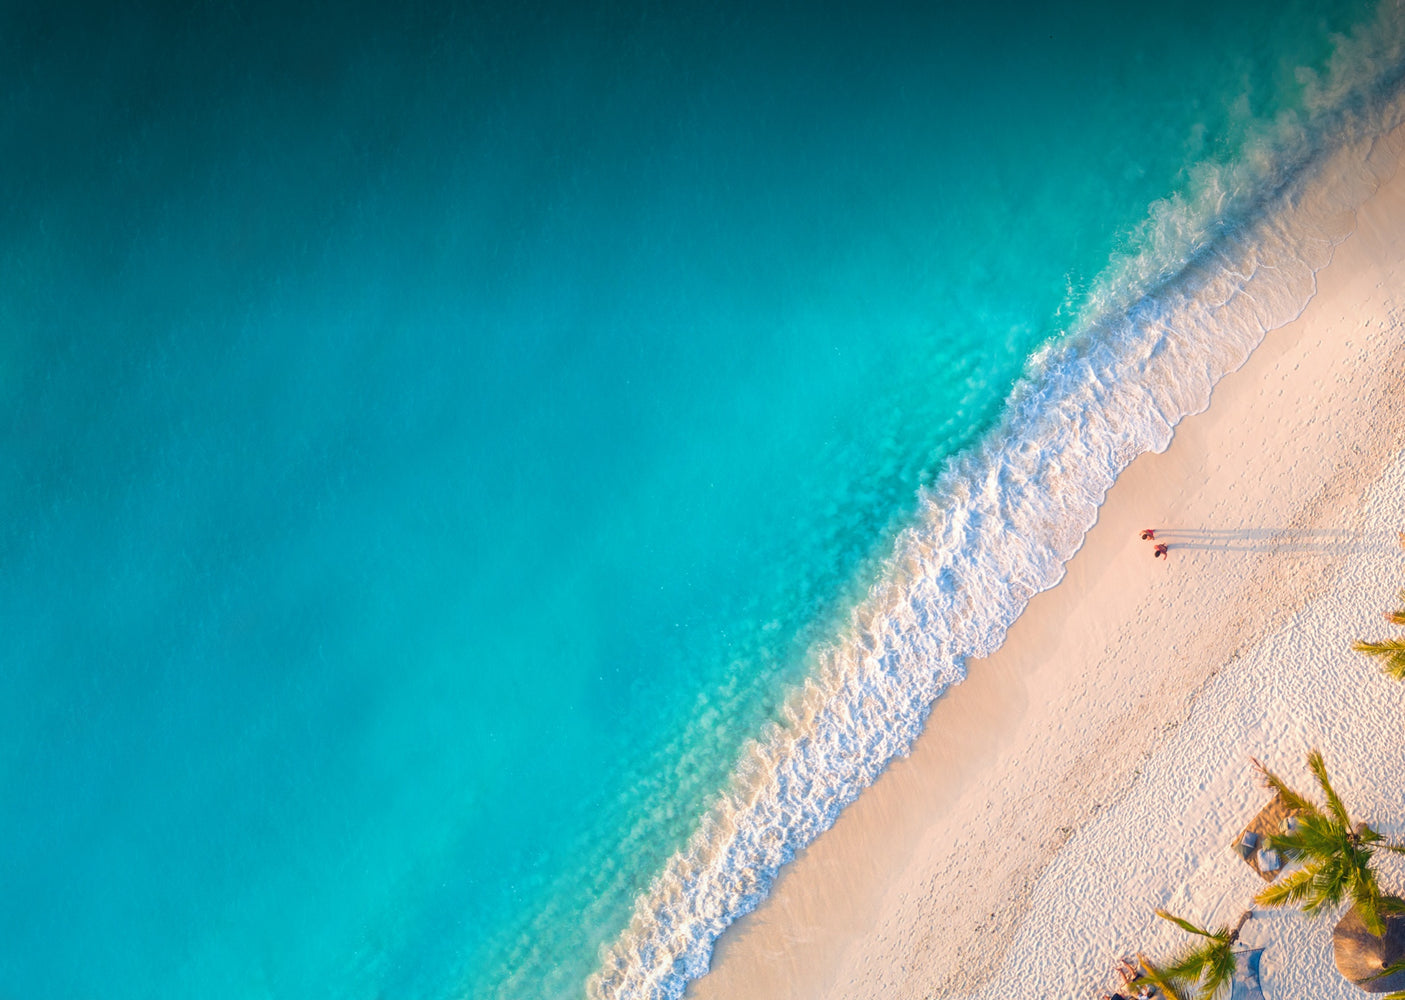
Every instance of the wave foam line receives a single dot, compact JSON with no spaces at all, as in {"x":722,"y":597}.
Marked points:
{"x":998,"y":527}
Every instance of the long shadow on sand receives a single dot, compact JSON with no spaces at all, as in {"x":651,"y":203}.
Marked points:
{"x":1279,"y":541}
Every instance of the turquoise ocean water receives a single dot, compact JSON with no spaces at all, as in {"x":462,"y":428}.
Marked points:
{"x":439,"y":437}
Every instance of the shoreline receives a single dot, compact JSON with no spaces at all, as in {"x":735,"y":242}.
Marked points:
{"x":927,"y":880}
{"x":1000,"y":525}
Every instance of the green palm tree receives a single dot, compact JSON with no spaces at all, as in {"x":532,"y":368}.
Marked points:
{"x":1201,"y":972}
{"x":1155,"y":975}
{"x":1390,"y":653}
{"x":1334,"y":852}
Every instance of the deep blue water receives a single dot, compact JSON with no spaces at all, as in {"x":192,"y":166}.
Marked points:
{"x":434,"y":435}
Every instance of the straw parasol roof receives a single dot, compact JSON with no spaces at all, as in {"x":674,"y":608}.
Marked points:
{"x":1360,"y":955}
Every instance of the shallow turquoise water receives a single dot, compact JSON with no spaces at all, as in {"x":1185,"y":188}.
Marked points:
{"x":435,"y":437}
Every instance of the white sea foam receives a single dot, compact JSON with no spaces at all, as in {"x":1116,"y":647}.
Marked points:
{"x":1004,"y":518}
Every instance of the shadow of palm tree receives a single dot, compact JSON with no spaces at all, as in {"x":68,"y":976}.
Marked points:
{"x":1278,"y":541}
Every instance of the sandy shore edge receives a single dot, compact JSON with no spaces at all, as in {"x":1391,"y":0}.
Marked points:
{"x":936,"y":880}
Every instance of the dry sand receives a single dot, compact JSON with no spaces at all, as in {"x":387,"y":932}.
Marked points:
{"x":1096,"y":766}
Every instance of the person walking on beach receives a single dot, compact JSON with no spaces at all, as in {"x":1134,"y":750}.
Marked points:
{"x":1148,"y":534}
{"x":1160,"y":552}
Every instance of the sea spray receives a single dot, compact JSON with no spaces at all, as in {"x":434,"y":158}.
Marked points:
{"x":1003,"y":520}
{"x":443,"y":435}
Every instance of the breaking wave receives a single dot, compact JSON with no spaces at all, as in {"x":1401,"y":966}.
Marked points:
{"x":1220,"y":266}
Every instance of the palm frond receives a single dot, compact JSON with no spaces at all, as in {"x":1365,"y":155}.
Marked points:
{"x":1208,"y":966}
{"x":1220,"y":934}
{"x":1389,"y":653}
{"x":1293,"y":800}
{"x":1360,"y":857}
{"x":1397,"y":617}
{"x":1316,"y":837}
{"x":1335,"y":879}
{"x":1330,"y":886}
{"x":1153,"y":975}
{"x":1188,"y":967}
{"x":1219,"y":971}
{"x":1335,"y":806}
{"x":1293,"y":889}
{"x":1367,"y":899}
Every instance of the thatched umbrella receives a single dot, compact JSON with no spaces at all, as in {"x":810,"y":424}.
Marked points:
{"x":1360,"y":955}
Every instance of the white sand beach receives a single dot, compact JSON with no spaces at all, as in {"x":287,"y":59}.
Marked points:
{"x":1097,"y":765}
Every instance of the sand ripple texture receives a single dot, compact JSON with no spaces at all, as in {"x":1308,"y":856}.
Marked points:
{"x":1164,"y":843}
